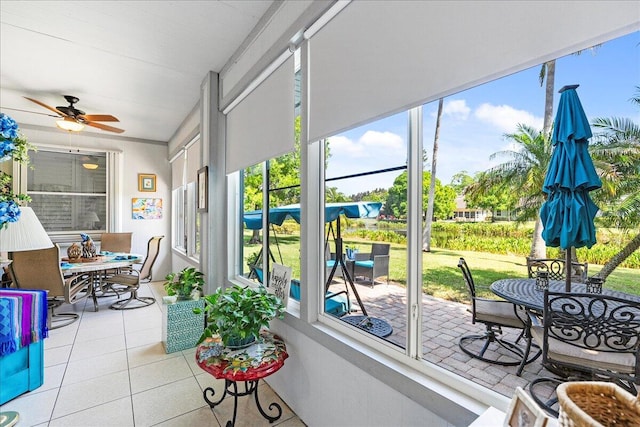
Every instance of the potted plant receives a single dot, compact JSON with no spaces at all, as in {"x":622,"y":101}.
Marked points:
{"x":238,"y":313}
{"x":186,"y":284}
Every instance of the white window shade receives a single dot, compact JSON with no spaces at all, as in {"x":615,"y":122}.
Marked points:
{"x":376,"y":58}
{"x":177,"y":172}
{"x":193,"y":161}
{"x":261,"y":126}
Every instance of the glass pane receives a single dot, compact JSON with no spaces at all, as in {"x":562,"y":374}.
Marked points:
{"x":252,"y":184}
{"x":368,"y":164}
{"x":67,"y":172}
{"x":70,"y":212}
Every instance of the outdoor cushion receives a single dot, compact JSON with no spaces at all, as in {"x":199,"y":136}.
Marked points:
{"x":498,"y":312}
{"x":336,"y":305}
{"x":590,"y":358}
{"x":366,"y":264}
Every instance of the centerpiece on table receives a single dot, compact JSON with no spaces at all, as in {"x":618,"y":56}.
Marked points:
{"x":238,"y":313}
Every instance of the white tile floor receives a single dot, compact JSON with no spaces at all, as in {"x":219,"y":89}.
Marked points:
{"x":110,"y":368}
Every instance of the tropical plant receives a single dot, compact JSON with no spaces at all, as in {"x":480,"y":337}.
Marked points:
{"x":523,"y":173}
{"x":185,"y":284}
{"x":238,"y":313}
{"x":616,"y":154}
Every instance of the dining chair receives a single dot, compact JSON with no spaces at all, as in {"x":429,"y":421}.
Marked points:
{"x":586,"y":336}
{"x":495,"y":315}
{"x":373,"y":264}
{"x":130,"y":281}
{"x":40,"y":269}
{"x":115,"y":242}
{"x":557,"y":269}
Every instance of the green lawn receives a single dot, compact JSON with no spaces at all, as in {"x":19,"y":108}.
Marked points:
{"x":441,"y":276}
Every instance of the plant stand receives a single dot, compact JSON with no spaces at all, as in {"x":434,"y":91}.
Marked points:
{"x":181,"y":327}
{"x":249,"y":365}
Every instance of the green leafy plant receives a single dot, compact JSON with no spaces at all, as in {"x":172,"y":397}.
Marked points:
{"x":252,"y":259}
{"x":185,"y":283}
{"x":238,"y":313}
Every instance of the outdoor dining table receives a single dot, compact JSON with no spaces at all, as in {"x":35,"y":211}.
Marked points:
{"x":523,"y":292}
{"x":96,"y":266}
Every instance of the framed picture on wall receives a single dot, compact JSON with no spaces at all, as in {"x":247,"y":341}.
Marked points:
{"x":202,"y":190}
{"x":146,"y":182}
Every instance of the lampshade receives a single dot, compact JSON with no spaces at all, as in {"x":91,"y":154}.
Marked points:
{"x":70,"y":125}
{"x":26,"y":234}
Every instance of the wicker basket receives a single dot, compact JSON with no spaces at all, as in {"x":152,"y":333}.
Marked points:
{"x":596,"y":404}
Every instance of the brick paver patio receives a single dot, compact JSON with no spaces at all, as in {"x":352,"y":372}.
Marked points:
{"x":444,"y":322}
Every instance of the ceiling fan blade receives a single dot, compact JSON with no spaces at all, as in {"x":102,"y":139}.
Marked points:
{"x":42,"y":104}
{"x":100,"y":118}
{"x":31,"y":112}
{"x":104,"y":127}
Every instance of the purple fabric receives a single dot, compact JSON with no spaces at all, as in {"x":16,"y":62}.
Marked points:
{"x":33,"y":318}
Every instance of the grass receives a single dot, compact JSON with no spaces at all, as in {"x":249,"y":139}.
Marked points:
{"x":441,"y":276}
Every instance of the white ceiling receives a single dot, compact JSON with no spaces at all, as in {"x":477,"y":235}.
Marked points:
{"x":141,"y":61}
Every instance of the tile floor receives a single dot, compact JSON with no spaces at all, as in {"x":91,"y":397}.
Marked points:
{"x":110,"y":368}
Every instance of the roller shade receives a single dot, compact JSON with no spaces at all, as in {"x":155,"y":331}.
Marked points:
{"x":376,"y":58}
{"x":177,"y":172}
{"x":193,"y":161}
{"x":260,"y":127}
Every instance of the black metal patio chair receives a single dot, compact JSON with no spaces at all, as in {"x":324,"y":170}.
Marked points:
{"x":586,"y":336}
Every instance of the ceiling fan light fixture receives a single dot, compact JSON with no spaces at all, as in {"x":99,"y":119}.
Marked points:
{"x":69,"y":125}
{"x":90,"y":166}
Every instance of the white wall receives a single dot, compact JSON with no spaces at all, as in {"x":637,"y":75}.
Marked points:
{"x":138,"y":156}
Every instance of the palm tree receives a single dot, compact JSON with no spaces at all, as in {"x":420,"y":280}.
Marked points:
{"x":616,"y":154}
{"x":426,"y":236}
{"x":523,"y":173}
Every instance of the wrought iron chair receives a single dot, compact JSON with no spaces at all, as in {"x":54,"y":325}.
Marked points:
{"x":40,"y":269}
{"x":557,"y":269}
{"x":494,"y":314}
{"x":374,"y":264}
{"x":130,"y":282}
{"x":587,"y":337}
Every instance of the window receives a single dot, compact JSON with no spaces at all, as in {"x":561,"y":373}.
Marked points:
{"x":185,"y":218}
{"x":368,"y":164}
{"x":69,"y":191}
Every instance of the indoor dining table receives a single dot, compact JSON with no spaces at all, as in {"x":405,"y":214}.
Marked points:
{"x":96,"y":266}
{"x":523,"y":292}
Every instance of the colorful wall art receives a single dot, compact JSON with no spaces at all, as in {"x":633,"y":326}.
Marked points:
{"x":146,"y":208}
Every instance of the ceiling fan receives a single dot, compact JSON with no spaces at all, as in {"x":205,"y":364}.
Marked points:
{"x":74,"y":119}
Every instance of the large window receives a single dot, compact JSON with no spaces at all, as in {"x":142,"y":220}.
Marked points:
{"x":185,"y":218}
{"x":69,"y":190}
{"x":368,"y":165}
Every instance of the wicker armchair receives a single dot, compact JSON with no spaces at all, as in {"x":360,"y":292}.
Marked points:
{"x":374,"y":264}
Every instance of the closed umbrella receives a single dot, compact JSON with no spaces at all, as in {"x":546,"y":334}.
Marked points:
{"x":568,"y":213}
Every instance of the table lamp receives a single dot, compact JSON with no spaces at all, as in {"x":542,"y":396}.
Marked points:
{"x":26,"y":234}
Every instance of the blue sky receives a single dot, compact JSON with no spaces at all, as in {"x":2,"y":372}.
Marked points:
{"x":474,"y":121}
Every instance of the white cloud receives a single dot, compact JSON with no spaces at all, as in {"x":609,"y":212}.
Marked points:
{"x":381,"y":140}
{"x":456,"y":109}
{"x":506,"y":118}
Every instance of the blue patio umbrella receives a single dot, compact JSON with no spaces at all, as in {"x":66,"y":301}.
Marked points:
{"x":568,"y":213}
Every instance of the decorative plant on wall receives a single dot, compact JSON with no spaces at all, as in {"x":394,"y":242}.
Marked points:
{"x":13,"y":146}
